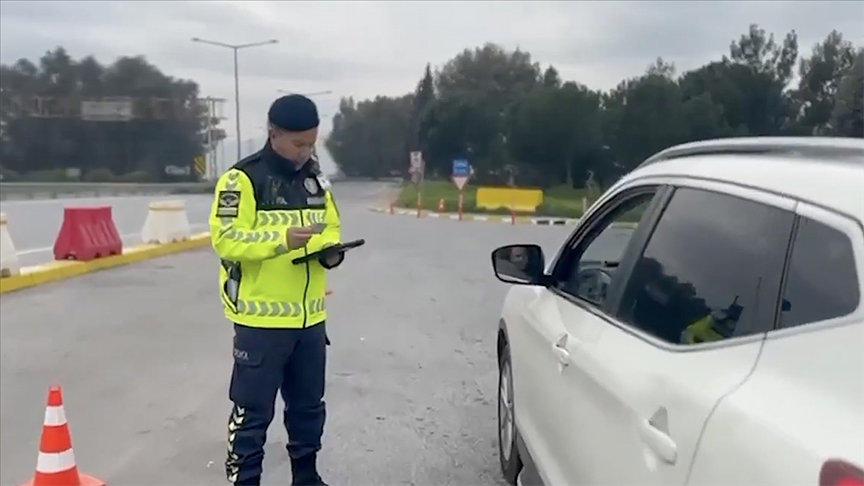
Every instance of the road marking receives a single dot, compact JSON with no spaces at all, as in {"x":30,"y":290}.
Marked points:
{"x":32,"y":251}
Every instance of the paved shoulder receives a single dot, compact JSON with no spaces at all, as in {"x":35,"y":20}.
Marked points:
{"x":144,"y":355}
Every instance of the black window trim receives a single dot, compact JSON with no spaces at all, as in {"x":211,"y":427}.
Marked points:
{"x":778,"y":298}
{"x":787,"y":260}
{"x":635,"y":247}
{"x":647,"y":227}
{"x":750,"y":187}
{"x":843,"y":320}
{"x":848,"y":218}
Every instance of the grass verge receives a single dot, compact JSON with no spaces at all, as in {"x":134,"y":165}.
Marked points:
{"x":558,"y":202}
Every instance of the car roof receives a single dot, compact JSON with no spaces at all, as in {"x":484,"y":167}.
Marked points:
{"x":824,"y":171}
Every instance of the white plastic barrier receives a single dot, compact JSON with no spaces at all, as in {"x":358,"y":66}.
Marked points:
{"x":9,"y":264}
{"x":166,"y":222}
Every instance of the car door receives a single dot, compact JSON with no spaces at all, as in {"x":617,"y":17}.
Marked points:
{"x":532,"y":331}
{"x":600,"y":243}
{"x":636,"y":396}
{"x":538,"y":337}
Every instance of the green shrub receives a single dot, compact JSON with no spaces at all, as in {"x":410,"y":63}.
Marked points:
{"x":9,"y":175}
{"x":49,"y":175}
{"x":99,"y":175}
{"x":136,"y":176}
{"x":560,"y":201}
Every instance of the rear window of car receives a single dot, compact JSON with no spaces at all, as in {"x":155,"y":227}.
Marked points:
{"x":822,"y":281}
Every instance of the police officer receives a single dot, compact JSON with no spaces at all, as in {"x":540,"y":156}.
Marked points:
{"x":271,"y":208}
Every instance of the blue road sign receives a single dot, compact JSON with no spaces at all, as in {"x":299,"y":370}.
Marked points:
{"x":461,"y":168}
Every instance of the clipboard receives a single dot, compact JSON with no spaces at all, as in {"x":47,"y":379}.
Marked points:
{"x":339,"y":247}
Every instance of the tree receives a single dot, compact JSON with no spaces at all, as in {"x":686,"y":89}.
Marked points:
{"x":424,"y":99}
{"x":47,"y":130}
{"x":551,"y":78}
{"x":764,"y":70}
{"x":369,"y":138}
{"x":553,"y":129}
{"x":821,"y":75}
{"x":651,"y":119}
{"x":517,"y":123}
{"x":847,"y":118}
{"x":475,"y":90}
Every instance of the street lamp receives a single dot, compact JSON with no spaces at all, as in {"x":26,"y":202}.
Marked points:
{"x":317,"y":93}
{"x":235,"y":48}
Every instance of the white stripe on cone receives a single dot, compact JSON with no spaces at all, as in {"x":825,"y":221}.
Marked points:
{"x":55,"y":416}
{"x":56,"y":462}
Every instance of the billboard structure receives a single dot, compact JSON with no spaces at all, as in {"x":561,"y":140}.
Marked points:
{"x":121,"y":108}
{"x":215,"y":109}
{"x":124,"y":109}
{"x":109,"y":110}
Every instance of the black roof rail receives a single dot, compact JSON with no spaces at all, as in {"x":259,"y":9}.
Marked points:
{"x":817,"y":147}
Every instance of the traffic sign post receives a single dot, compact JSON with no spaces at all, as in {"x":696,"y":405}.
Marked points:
{"x":417,"y":170}
{"x":417,"y":167}
{"x":462,"y":171}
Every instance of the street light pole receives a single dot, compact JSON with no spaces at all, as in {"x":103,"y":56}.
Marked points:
{"x":236,"y":48}
{"x":237,"y":104}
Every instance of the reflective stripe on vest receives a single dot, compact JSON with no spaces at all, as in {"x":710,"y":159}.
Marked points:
{"x":287,"y":218}
{"x":255,"y":237}
{"x":277,"y":218}
{"x":316,"y":216}
{"x":262,"y":308}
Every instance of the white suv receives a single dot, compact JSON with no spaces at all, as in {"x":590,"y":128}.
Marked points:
{"x":701,"y":325}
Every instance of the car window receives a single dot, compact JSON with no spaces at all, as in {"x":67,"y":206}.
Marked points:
{"x":587,"y":271}
{"x":822,"y":282}
{"x":711,"y":269}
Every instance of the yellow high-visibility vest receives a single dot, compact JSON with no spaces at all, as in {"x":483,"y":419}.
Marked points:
{"x":259,"y":284}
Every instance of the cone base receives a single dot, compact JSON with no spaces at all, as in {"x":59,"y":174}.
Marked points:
{"x":86,"y":480}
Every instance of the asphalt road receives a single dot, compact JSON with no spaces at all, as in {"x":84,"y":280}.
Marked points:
{"x":34,"y":224}
{"x":144,"y":356}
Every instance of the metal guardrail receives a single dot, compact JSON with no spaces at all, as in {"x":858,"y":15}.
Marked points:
{"x":53,"y":190}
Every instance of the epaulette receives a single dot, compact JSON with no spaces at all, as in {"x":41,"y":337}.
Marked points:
{"x":249,"y":159}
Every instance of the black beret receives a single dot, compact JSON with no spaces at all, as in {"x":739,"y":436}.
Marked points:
{"x":293,"y":113}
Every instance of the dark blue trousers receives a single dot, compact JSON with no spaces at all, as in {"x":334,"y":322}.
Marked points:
{"x":291,"y":361}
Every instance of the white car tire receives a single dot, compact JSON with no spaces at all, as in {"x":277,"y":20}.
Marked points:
{"x":508,"y":453}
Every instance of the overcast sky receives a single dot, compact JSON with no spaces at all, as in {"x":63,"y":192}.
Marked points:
{"x":366,"y":48}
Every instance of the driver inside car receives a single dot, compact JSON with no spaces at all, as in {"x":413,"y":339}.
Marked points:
{"x":716,"y":326}
{"x":519,"y":262}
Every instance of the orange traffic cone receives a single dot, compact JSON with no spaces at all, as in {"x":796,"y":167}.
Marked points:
{"x":56,"y":464}
{"x":441,"y":205}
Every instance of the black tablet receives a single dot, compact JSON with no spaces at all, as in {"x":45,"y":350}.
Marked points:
{"x":340,"y":247}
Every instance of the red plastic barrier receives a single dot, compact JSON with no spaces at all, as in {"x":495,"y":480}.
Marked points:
{"x":86,"y":234}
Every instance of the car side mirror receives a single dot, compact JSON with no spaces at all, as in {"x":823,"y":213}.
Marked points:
{"x":519,"y":264}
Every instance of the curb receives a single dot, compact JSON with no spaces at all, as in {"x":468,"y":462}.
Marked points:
{"x":489,"y":218}
{"x":61,"y":270}
{"x":494,"y":218}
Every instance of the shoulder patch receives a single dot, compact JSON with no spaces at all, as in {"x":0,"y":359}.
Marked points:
{"x":228,"y":204}
{"x":311,"y":186}
{"x":323,"y":181}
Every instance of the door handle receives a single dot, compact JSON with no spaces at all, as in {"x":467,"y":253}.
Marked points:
{"x":560,"y":350}
{"x":658,"y":441}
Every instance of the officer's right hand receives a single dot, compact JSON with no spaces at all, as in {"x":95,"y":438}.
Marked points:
{"x":298,"y":237}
